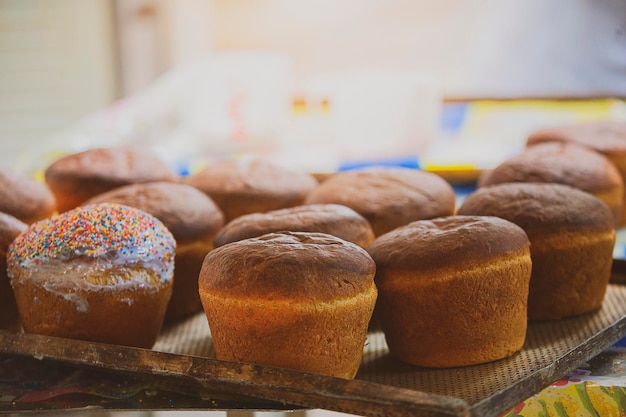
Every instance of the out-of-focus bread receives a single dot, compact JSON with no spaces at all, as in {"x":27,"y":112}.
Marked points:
{"x":572,"y":237}
{"x":24,"y":198}
{"x":10,"y":228}
{"x":76,"y":177}
{"x":563,"y":163}
{"x":453,"y":291}
{"x":294,"y":300}
{"x":192,"y":217}
{"x":333,"y":219}
{"x":607,"y":137}
{"x":244,"y":186}
{"x":387,"y":198}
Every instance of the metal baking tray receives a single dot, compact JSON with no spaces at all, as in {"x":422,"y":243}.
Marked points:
{"x":383,"y":385}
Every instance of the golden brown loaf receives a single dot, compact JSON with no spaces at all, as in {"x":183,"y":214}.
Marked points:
{"x":453,"y":290}
{"x":10,"y":228}
{"x":387,"y":198}
{"x":192,"y":217}
{"x":607,"y":137}
{"x":295,"y":300}
{"x":572,"y":237}
{"x":24,"y":198}
{"x":79,"y":176}
{"x":101,"y":273}
{"x":563,"y":163}
{"x":333,"y":219}
{"x":251,"y":186}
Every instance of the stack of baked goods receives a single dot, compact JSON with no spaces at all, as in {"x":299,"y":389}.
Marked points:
{"x":563,"y":163}
{"x":289,"y":270}
{"x":607,"y":137}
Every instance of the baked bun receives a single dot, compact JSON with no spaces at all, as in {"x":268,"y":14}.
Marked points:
{"x":10,"y":228}
{"x":192,"y":217}
{"x":607,"y":137}
{"x":453,"y":290}
{"x":387,"y":198}
{"x":245,"y":186}
{"x":572,"y":237}
{"x":79,"y":176}
{"x":101,"y":273}
{"x":294,"y":300}
{"x":333,"y":219}
{"x":563,"y":163}
{"x":25,"y":198}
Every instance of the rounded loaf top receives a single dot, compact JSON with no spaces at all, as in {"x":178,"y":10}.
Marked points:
{"x":540,"y":207}
{"x":557,"y":162}
{"x":447,"y":241}
{"x":102,"y":236}
{"x":23,"y":197}
{"x":334,"y":219}
{"x":187,"y":212}
{"x":606,"y":136}
{"x":122,"y":164}
{"x":388,"y":197}
{"x":288,"y":265}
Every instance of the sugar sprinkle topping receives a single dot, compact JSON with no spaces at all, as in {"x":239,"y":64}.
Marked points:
{"x":117,"y":233}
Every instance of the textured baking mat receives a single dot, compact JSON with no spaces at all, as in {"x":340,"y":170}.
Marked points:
{"x":383,"y":386}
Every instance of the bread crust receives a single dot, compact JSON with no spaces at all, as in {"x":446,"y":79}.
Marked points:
{"x":25,"y":198}
{"x":388,"y":198}
{"x":296,"y":299}
{"x":572,"y":237}
{"x":563,"y":163}
{"x":465,"y":306}
{"x":333,"y":219}
{"x":10,"y":228}
{"x":251,"y":186}
{"x":76,"y":177}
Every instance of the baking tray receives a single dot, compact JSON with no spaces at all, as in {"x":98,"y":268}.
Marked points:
{"x":383,"y":386}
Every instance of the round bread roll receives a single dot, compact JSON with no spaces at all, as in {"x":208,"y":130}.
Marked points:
{"x":387,"y":198}
{"x":563,"y":163}
{"x":10,"y":228}
{"x":453,"y":290}
{"x":294,"y":300}
{"x":333,"y":219}
{"x":245,"y":186}
{"x":572,"y":238}
{"x":79,"y":176}
{"x":192,"y":217}
{"x":25,"y":198}
{"x":101,"y":273}
{"x":607,"y":137}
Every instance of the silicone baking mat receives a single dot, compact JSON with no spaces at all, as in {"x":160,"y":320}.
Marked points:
{"x":383,"y":386}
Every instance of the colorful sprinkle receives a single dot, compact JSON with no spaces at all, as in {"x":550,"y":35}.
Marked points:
{"x":103,"y":234}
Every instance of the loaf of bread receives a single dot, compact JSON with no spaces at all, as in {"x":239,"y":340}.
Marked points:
{"x":10,"y":228}
{"x":244,"y":186}
{"x":606,"y":137}
{"x":295,"y":300}
{"x":563,"y":163}
{"x":453,"y":291}
{"x":24,"y":198}
{"x":333,"y":219}
{"x":76,"y":177}
{"x":101,"y":273}
{"x":387,"y":198}
{"x":572,"y":237}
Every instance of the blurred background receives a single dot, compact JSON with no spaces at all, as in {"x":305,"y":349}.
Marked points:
{"x":317,"y":84}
